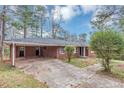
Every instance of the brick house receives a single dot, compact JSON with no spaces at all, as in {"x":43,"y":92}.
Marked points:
{"x":43,"y":47}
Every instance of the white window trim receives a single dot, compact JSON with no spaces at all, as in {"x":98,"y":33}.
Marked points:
{"x":60,"y":50}
{"x":75,"y":50}
{"x":24,"y":49}
{"x":92,"y":52}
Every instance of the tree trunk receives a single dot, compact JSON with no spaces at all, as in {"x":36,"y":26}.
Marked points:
{"x":25,"y":31}
{"x":53,"y":32}
{"x":107,"y":60}
{"x":69,"y":59}
{"x":53,"y":28}
{"x":1,"y":38}
{"x":36,"y":31}
{"x":2,"y":31}
{"x":41,"y":31}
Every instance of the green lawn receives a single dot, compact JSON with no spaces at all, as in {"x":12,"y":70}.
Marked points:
{"x":13,"y":77}
{"x":82,"y":62}
{"x":117,"y":68}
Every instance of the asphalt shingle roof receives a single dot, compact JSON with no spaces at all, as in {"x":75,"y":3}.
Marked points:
{"x":44,"y":41}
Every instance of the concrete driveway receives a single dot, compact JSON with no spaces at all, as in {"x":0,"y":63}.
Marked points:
{"x":59,"y":74}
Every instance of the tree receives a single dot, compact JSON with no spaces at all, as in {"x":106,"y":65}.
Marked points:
{"x":110,"y":16}
{"x":62,"y":34}
{"x":24,"y":18}
{"x":69,"y":51}
{"x":39,"y":18}
{"x":73,"y":37}
{"x":1,"y":39}
{"x":56,"y":20}
{"x":107,"y":44}
{"x":83,"y":37}
{"x":121,"y":24}
{"x":3,"y":17}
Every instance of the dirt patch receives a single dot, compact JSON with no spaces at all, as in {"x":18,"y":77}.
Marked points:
{"x":105,"y":74}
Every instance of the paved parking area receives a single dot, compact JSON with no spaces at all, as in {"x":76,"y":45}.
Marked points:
{"x":59,"y":74}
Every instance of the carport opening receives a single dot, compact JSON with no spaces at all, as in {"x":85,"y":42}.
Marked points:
{"x":37,"y":51}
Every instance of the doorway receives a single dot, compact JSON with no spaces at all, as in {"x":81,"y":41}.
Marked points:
{"x":21,"y":52}
{"x":37,"y":51}
{"x":81,"y":51}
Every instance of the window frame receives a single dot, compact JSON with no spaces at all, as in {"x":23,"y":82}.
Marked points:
{"x":75,"y":50}
{"x":61,"y":50}
{"x":22,"y":50}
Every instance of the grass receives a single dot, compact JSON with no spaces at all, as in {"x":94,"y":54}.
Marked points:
{"x":117,"y":66}
{"x":82,"y":62}
{"x":11,"y":77}
{"x":117,"y":69}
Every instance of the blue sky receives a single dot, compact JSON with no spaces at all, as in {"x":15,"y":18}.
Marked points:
{"x":79,"y":24}
{"x":76,"y":18}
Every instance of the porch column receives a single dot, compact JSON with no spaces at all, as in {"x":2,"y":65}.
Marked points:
{"x":13,"y":54}
{"x":10,"y":54}
{"x":39,"y":52}
{"x":84,"y":51}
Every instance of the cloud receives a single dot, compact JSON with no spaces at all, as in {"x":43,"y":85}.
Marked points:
{"x":66,"y":12}
{"x":47,"y":34}
{"x":56,"y":12}
{"x":69,"y":12}
{"x":88,"y":8}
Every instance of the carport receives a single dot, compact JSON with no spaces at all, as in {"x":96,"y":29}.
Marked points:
{"x":42,"y":47}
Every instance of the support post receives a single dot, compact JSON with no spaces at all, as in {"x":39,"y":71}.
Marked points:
{"x":39,"y":52}
{"x":84,"y":51}
{"x":13,"y":54}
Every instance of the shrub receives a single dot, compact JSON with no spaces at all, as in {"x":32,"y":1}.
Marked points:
{"x":107,"y":44}
{"x":69,"y":51}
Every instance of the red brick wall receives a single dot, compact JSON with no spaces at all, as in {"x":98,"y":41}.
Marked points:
{"x":91,"y":53}
{"x":17,"y":51}
{"x":63,"y":55}
{"x":30,"y":51}
{"x":49,"y":51}
{"x":86,"y":51}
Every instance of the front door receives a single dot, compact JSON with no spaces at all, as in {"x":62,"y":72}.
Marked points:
{"x":21,"y":51}
{"x":37,"y":51}
{"x":81,"y":51}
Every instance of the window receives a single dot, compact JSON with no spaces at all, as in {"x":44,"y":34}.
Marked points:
{"x":21,"y":51}
{"x":44,"y":48}
{"x":61,"y":50}
{"x":75,"y":50}
{"x":92,"y":52}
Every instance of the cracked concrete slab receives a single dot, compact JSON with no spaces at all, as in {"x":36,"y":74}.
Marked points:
{"x":59,"y":74}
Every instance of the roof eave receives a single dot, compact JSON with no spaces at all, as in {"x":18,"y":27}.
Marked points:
{"x":35,"y":44}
